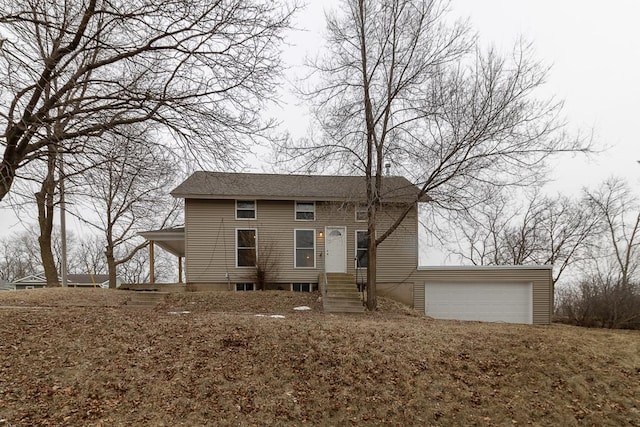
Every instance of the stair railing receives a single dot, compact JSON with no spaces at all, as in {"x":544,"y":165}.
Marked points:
{"x":360,"y":280}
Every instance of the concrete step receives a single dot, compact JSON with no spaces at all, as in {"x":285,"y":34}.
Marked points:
{"x":342,"y":289}
{"x":343,"y":308}
{"x":146,"y":298}
{"x":343,"y":294}
{"x":333,"y":304}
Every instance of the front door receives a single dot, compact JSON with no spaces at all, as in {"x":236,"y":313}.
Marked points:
{"x":335,"y":250}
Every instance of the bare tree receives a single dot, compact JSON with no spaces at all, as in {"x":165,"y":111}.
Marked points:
{"x":401,"y":85}
{"x":620,"y":213}
{"x":268,"y":265}
{"x":128,"y":190}
{"x":20,"y":254}
{"x":607,"y":290}
{"x":87,"y":255}
{"x":136,"y":269}
{"x":543,"y":230}
{"x":200,"y":70}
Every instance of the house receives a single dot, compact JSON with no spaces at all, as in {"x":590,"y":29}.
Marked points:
{"x":302,"y":232}
{"x":37,"y":281}
{"x":88,"y":280}
{"x":33,"y":281}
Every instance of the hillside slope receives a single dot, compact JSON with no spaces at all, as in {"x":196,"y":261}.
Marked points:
{"x":83,"y":357}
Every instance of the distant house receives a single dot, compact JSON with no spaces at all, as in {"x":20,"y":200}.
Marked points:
{"x":88,"y":280}
{"x":37,"y":281}
{"x":315,"y":229}
{"x":33,"y":281}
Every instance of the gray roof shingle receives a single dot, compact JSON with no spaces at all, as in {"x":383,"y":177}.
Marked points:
{"x":225,"y":185}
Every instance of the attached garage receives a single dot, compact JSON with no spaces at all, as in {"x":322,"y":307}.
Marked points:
{"x":484,"y":301}
{"x":511,"y":294}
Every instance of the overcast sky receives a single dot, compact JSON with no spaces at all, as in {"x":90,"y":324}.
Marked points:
{"x":592,"y":46}
{"x":594,"y":52}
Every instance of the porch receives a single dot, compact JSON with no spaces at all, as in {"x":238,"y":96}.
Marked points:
{"x":172,"y":241}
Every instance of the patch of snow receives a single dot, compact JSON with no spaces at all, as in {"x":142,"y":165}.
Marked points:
{"x":273,"y":316}
{"x":302,"y":308}
{"x":179,"y":312}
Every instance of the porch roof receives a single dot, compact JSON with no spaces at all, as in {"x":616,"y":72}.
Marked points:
{"x":169,"y":239}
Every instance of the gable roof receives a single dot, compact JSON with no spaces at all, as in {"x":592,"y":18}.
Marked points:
{"x":87,"y":278}
{"x":30,"y":279}
{"x":224,"y":185}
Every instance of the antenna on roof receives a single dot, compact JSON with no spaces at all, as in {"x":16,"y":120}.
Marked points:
{"x":387,"y":168}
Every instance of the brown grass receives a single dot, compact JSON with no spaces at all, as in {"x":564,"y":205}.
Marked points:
{"x":87,"y":359}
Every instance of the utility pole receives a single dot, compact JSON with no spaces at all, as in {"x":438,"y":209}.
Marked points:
{"x":63,"y":225}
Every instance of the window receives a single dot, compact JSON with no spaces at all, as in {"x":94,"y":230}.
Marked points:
{"x":305,"y":211}
{"x":305,"y":248}
{"x":245,"y":209}
{"x":244,"y":287}
{"x":362,"y":243}
{"x":301,"y":287}
{"x":361,"y":213}
{"x":246,"y":247}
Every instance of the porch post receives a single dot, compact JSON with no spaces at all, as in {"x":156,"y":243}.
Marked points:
{"x":152,"y":278}
{"x":179,"y":269}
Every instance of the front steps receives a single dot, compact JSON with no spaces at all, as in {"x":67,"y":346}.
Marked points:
{"x":342,"y":294}
{"x":146,"y":299}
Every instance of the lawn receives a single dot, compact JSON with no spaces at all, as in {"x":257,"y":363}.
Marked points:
{"x":86,"y":357}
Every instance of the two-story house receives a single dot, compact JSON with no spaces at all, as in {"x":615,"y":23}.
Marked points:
{"x":268,"y":231}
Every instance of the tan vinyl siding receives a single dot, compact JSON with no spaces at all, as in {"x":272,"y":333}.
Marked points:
{"x":540,"y":277}
{"x":419,"y":297}
{"x":210,"y":240}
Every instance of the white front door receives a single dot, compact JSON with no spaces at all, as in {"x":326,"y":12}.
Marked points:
{"x":335,"y":249}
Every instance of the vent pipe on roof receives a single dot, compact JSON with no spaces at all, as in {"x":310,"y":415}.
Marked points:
{"x":387,"y":167}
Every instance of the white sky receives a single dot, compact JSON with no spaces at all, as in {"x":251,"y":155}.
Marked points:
{"x":594,"y":50}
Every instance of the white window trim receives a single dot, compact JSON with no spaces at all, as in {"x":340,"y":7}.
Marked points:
{"x":236,"y":247}
{"x":355,"y":244}
{"x":295,"y":248}
{"x":255,"y":210}
{"x":355,"y":213}
{"x":295,"y":211}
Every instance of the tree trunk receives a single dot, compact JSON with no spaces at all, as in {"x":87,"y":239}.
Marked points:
{"x":111,"y":267}
{"x":7,"y":174}
{"x":372,"y":300}
{"x":44,"y":200}
{"x":45,"y":221}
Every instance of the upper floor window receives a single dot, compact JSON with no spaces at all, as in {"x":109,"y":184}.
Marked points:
{"x":245,"y":209}
{"x":361,"y":213}
{"x":305,"y":211}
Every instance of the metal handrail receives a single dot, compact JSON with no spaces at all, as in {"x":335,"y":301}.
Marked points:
{"x":359,"y":285}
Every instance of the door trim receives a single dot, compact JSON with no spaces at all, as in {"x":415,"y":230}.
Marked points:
{"x":344,"y":247}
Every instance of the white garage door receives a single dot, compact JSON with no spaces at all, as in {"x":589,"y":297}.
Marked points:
{"x":489,"y":302}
